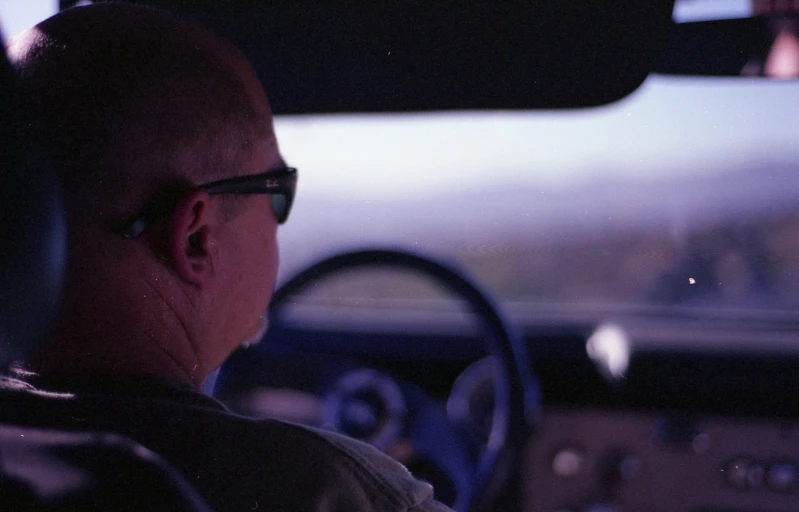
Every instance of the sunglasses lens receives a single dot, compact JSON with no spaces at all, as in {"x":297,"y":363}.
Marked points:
{"x":280,"y":205}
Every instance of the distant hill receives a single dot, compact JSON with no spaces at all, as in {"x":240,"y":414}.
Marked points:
{"x":602,"y":240}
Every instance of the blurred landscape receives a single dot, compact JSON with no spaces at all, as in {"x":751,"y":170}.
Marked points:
{"x":724,"y":239}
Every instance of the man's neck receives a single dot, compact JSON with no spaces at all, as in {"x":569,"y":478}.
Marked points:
{"x":60,"y":358}
{"x":122,"y":341}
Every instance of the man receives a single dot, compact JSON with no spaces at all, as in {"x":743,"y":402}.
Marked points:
{"x":174,"y":187}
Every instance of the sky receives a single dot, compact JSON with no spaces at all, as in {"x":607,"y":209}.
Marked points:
{"x":17,"y":15}
{"x":702,"y":10}
{"x":688,"y":123}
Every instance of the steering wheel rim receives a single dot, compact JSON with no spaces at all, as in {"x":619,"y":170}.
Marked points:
{"x":517,"y":392}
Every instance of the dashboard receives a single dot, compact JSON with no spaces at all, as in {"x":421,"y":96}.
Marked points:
{"x":681,"y":430}
{"x":594,"y":459}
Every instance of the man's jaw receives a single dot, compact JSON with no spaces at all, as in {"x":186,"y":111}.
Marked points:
{"x":258,"y":336}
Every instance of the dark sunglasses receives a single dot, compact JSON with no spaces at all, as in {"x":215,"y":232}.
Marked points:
{"x":280,"y":184}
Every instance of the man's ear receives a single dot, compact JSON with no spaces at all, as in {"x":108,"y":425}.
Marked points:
{"x":191,"y":231}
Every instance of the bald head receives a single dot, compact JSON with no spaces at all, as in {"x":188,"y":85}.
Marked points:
{"x":138,"y":103}
{"x":142,"y":107}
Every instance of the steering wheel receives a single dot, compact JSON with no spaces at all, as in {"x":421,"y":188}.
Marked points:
{"x":516,"y":398}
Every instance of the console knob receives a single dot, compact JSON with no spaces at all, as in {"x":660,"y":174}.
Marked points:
{"x":601,"y":507}
{"x":744,"y":473}
{"x":568,"y":462}
{"x":781,"y":477}
{"x":619,"y":467}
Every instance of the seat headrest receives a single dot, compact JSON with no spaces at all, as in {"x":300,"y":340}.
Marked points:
{"x":32,"y":228}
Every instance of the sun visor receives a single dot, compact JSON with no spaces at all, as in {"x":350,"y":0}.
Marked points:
{"x":421,"y":55}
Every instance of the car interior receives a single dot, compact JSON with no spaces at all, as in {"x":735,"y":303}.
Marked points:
{"x":545,"y":254}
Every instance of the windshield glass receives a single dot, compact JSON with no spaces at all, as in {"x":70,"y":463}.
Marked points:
{"x":686,"y":193}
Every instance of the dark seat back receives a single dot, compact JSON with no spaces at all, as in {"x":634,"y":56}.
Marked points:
{"x":46,"y":470}
{"x":32,"y":228}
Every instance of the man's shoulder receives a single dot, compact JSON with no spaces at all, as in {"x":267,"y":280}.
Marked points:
{"x":351,"y":467}
{"x":235,"y":460}
{"x":388,"y":476}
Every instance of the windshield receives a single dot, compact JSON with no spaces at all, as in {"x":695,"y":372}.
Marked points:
{"x":683,"y":194}
{"x":686,"y":193}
